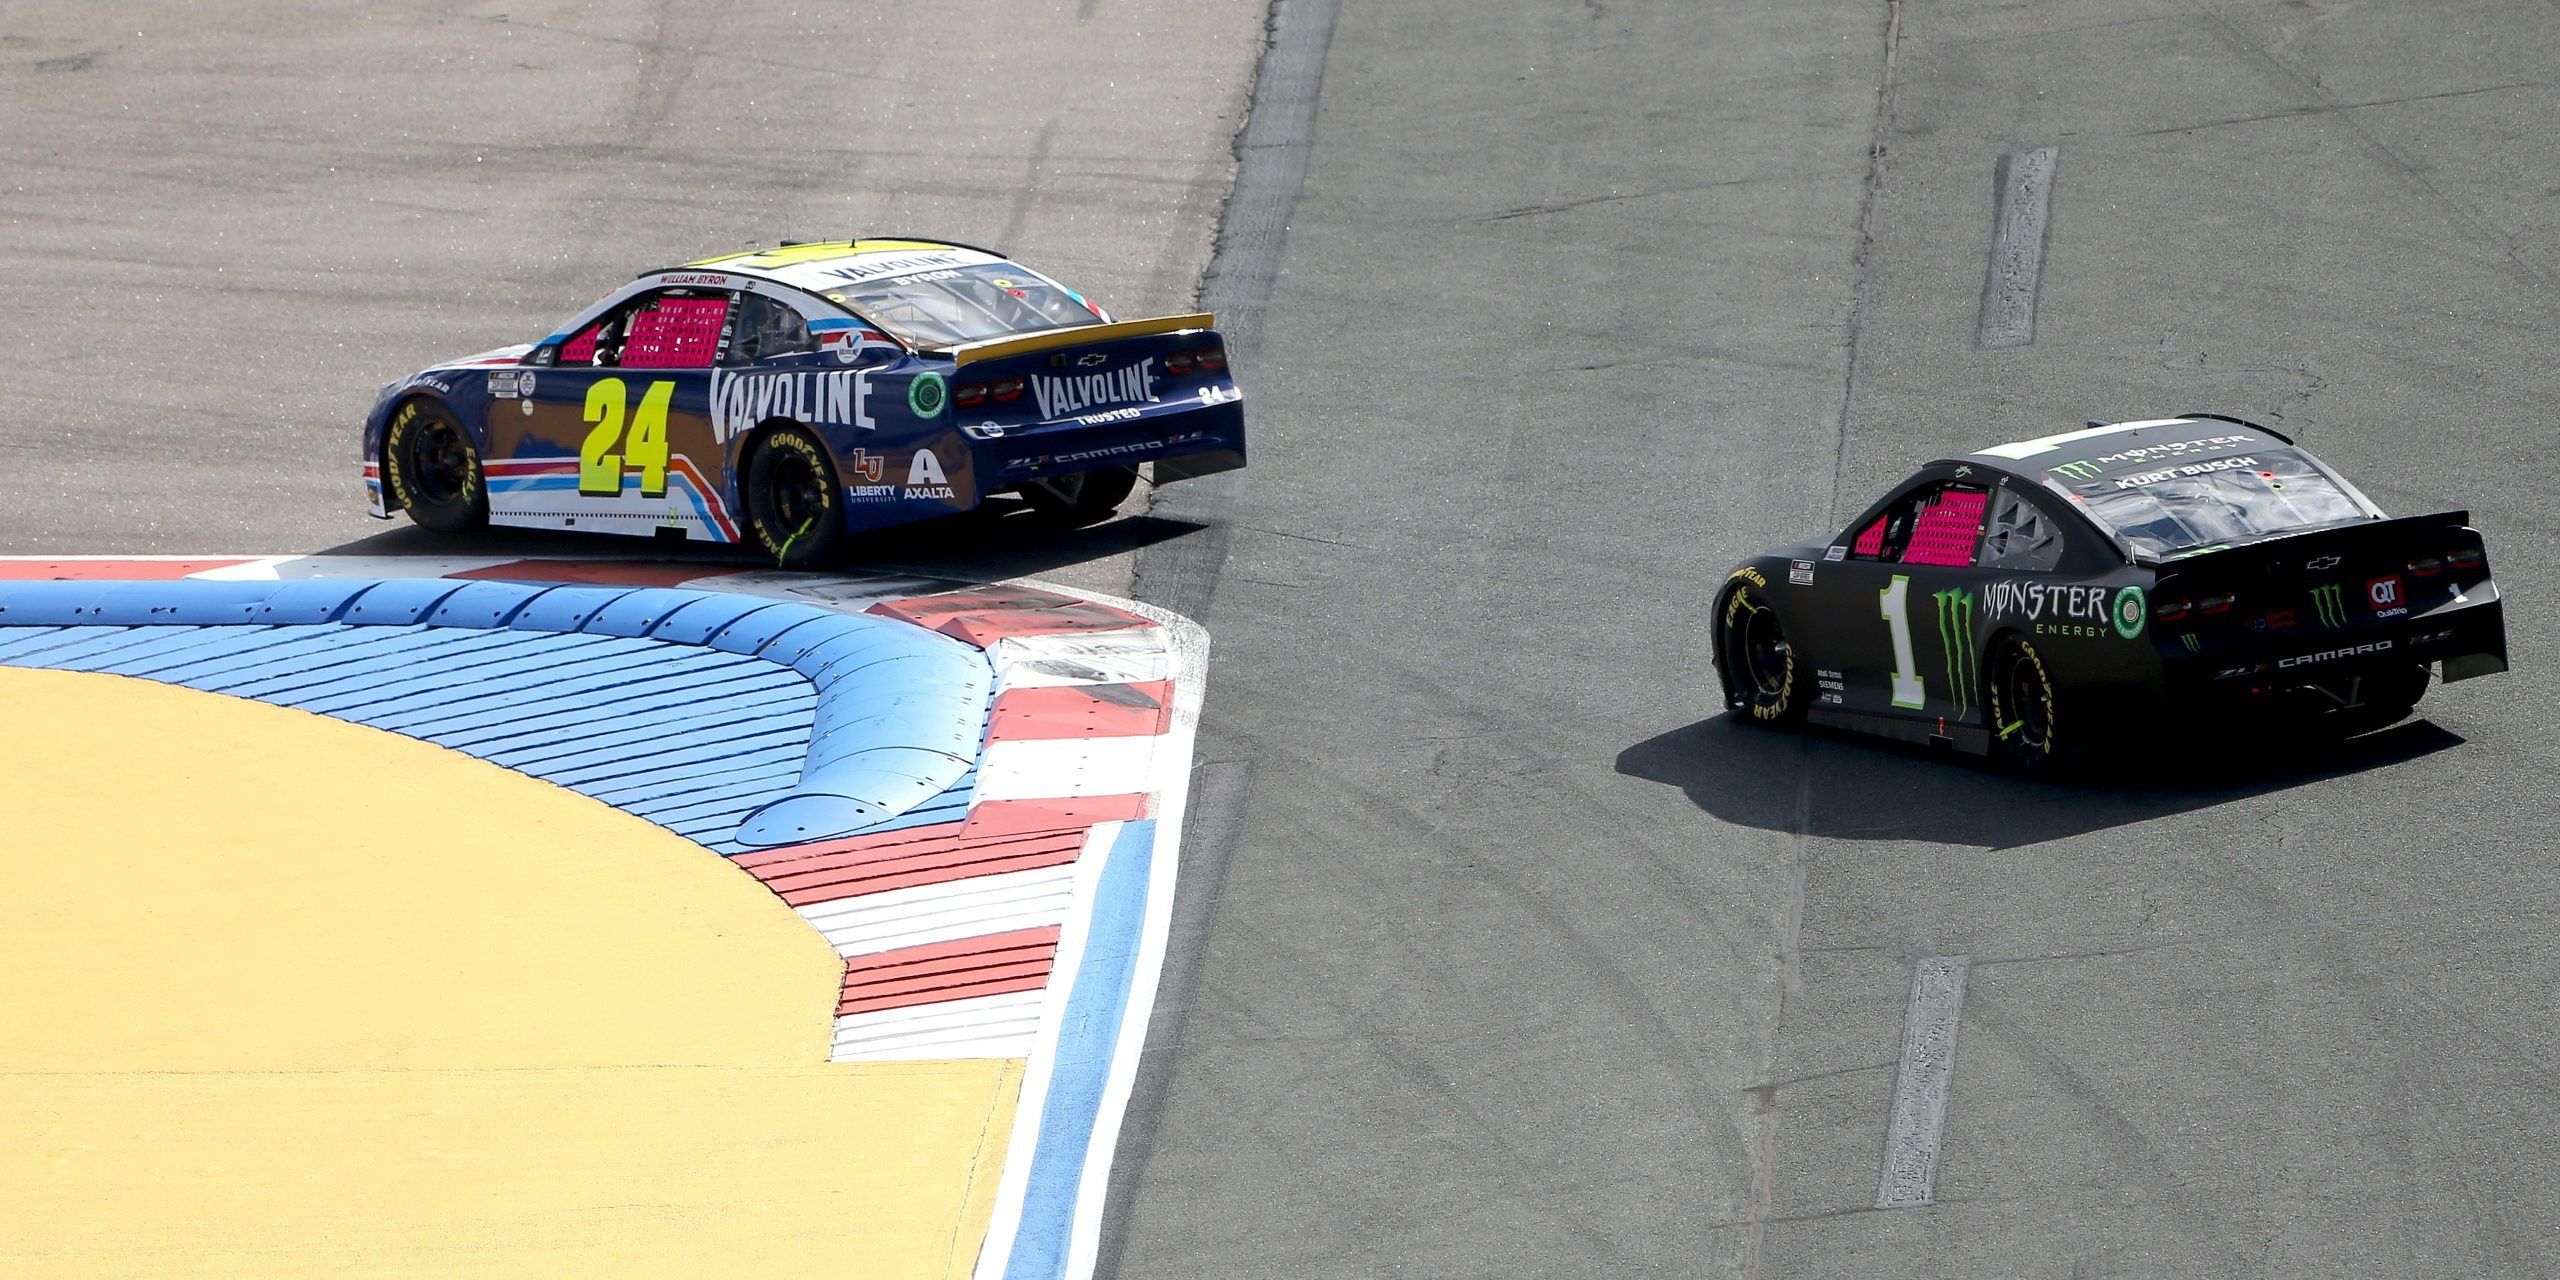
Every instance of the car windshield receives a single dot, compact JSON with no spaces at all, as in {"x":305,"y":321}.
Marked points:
{"x":965,"y":304}
{"x":2162,"y":512}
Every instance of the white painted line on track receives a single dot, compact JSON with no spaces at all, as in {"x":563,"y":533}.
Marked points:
{"x":1920,"y":1086}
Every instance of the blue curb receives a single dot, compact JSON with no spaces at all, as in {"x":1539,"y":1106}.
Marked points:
{"x":894,"y":725}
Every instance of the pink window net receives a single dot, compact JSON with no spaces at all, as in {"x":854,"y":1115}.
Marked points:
{"x":1871,"y":542}
{"x":581,"y":349}
{"x":676,"y":333}
{"x":1945,"y":532}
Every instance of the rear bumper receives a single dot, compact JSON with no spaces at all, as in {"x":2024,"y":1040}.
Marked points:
{"x":2466,"y":639}
{"x":1183,"y":445}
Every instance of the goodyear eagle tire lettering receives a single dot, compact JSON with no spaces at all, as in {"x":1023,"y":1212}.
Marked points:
{"x":1758,"y":659}
{"x":2021,"y":701}
{"x":431,"y":469}
{"x":795,"y":508}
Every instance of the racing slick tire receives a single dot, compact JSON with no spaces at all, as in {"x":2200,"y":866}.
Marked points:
{"x":1759,"y":663}
{"x":2020,"y":696}
{"x":795,"y":508}
{"x":1079,"y":500}
{"x":431,"y":469}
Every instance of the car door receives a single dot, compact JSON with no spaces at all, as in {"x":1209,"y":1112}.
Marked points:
{"x":615,"y":435}
{"x":1904,"y":613}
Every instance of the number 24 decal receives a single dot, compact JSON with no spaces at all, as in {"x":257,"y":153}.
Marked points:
{"x":600,"y":469}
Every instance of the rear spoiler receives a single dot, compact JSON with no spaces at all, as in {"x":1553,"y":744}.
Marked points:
{"x":2242,"y":422}
{"x":2336,"y":539}
{"x":1080,"y":335}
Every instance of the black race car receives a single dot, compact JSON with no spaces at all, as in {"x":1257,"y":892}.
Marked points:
{"x":2035,"y":599}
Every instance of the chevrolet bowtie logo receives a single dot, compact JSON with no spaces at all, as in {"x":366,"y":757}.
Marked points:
{"x":1090,"y":359}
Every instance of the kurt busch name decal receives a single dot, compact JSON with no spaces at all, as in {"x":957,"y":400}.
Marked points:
{"x":1076,"y":393}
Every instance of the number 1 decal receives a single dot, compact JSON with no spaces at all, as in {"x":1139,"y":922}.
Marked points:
{"x":1907,"y":689}
{"x":599,"y":467}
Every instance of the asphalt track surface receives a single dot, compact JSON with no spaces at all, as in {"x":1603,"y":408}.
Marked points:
{"x":1514,"y":957}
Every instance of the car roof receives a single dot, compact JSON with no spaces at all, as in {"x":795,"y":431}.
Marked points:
{"x":2109,"y":447}
{"x":833,"y":264}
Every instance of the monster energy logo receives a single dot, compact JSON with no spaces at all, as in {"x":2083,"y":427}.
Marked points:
{"x":2189,"y":640}
{"x":2333,"y":610}
{"x":2078,"y":470}
{"x":1955,"y":636}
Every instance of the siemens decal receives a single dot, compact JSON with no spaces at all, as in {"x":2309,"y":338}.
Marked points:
{"x":1076,"y":393}
{"x":829,"y":399}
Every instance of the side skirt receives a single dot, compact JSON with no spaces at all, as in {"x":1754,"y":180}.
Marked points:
{"x":1973,"y":740}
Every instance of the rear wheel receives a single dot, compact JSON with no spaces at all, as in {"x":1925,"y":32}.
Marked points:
{"x":1758,"y":660}
{"x":2022,"y":703}
{"x":795,"y":509}
{"x":432,"y":469}
{"x":2383,"y":698}
{"x":1078,"y":500}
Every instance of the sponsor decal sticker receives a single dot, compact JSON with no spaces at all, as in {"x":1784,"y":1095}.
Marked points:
{"x":1110,"y":416}
{"x":1062,"y":396}
{"x":2189,"y":640}
{"x":1955,"y":636}
{"x":1213,"y":396}
{"x":2132,"y":612}
{"x":2179,"y":473}
{"x":873,"y":266}
{"x":1835,"y":555}
{"x":2040,"y":602}
{"x":2076,"y":471}
{"x":1800,"y":572}
{"x":924,"y":476}
{"x":2331,"y":655}
{"x":2383,"y":594}
{"x":828,"y":398}
{"x":2327,"y":599}
{"x":506,"y":384}
{"x":2173,"y":449}
{"x":925,"y":396}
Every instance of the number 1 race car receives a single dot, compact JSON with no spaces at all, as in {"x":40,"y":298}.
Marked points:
{"x":2037,"y":598}
{"x":794,"y":396}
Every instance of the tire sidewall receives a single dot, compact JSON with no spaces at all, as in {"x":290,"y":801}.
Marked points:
{"x":1784,"y":706}
{"x":409,"y":420}
{"x":2013,"y":752}
{"x":823,"y":541}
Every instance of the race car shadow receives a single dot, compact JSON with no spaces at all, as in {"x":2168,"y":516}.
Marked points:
{"x":1001,"y":539}
{"x":1851,"y":788}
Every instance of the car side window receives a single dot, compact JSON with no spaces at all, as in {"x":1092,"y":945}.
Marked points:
{"x":768,"y":329}
{"x":2019,"y":536}
{"x":662,"y":329}
{"x":1937,"y":524}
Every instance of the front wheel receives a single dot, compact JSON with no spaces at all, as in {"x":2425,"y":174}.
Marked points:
{"x":1079,"y":500}
{"x":2022,"y":702}
{"x":1759,"y":662}
{"x":431,"y":468}
{"x":795,"y":509}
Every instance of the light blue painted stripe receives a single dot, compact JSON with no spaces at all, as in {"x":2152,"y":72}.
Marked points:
{"x":1088,"y":1040}
{"x":392,"y":682}
{"x":569,"y":744}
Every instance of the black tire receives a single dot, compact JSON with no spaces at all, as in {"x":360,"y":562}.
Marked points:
{"x":1760,"y":665}
{"x":2019,"y":694}
{"x":795,"y":508}
{"x":432,"y":470}
{"x":1082,"y":499}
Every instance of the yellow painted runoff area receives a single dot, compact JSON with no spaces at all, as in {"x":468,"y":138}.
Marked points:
{"x":294,"y":997}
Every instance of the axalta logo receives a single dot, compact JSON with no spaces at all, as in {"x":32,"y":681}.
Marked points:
{"x":1135,"y":384}
{"x":2332,"y":655}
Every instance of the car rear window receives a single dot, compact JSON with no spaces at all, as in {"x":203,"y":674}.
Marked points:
{"x":2177,"y":507}
{"x":965,"y":304}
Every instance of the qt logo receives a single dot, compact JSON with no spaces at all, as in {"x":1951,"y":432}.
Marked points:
{"x":2384,"y":591}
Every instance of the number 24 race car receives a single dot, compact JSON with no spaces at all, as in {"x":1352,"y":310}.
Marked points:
{"x":794,"y":396}
{"x":2038,"y":598}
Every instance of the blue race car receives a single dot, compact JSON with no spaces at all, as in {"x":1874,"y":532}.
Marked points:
{"x":795,"y":396}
